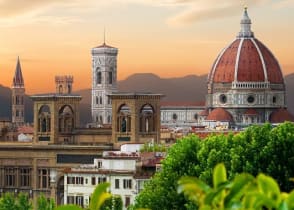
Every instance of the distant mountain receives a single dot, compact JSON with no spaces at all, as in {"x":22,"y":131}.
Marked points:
{"x":189,"y":88}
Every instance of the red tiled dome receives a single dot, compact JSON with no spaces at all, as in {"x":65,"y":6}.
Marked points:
{"x":203,"y":113}
{"x":246,"y":59}
{"x":220,"y":114}
{"x":281,"y":115}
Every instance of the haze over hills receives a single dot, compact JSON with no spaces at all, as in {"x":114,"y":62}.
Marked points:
{"x":189,"y":88}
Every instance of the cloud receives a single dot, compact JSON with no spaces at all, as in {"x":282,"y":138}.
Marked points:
{"x":201,"y":10}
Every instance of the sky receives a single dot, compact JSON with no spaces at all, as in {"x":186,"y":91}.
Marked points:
{"x":170,"y":38}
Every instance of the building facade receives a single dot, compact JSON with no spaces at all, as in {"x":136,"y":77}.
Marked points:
{"x":18,"y":94}
{"x":104,"y":82}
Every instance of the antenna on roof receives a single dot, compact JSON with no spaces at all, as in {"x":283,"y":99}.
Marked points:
{"x":104,"y":36}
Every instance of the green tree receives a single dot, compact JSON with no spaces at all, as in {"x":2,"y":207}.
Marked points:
{"x":258,"y":149}
{"x":8,"y":202}
{"x":45,"y":204}
{"x":23,"y":202}
{"x":113,"y":203}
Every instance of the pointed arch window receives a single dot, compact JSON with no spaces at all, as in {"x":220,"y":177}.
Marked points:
{"x":110,"y":77}
{"x":97,"y":100}
{"x":98,"y":76}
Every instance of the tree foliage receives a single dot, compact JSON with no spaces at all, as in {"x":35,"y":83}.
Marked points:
{"x":113,"y":203}
{"x":243,"y":192}
{"x":45,"y":204}
{"x":258,"y":149}
{"x":9,"y":202}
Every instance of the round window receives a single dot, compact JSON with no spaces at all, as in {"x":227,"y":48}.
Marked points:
{"x":223,"y":98}
{"x":250,"y":99}
{"x":195,"y":116}
{"x":175,"y":116}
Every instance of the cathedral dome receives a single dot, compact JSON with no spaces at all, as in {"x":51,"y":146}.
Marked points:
{"x":220,"y":114}
{"x":246,"y":59}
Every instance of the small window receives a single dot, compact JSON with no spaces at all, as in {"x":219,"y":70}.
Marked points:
{"x":93,"y":180}
{"x":250,"y":99}
{"x":116,"y":184}
{"x":127,"y":201}
{"x":223,"y":98}
{"x":175,"y":116}
{"x":274,"y":99}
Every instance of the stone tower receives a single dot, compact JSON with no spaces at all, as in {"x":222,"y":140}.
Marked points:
{"x":63,"y":84}
{"x":18,"y":93}
{"x":104,"y":82}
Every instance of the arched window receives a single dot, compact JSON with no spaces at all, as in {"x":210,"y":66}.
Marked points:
{"x":109,"y":119}
{"x":97,"y":100}
{"x":60,"y":89}
{"x":147,"y":119}
{"x":66,"y":119}
{"x":69,"y":89}
{"x":108,"y":100}
{"x":100,"y":99}
{"x":44,"y":119}
{"x":98,"y":76}
{"x":110,"y":77}
{"x":124,"y":119}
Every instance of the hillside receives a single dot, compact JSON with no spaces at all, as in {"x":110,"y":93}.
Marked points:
{"x":188,"y":88}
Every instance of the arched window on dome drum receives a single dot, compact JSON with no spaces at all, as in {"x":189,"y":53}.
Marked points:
{"x":44,"y":119}
{"x":98,"y":76}
{"x":66,"y":119}
{"x":124,"y":119}
{"x":147,"y":119}
{"x":69,"y":89}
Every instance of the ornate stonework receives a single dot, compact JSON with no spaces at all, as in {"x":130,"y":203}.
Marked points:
{"x":104,"y":82}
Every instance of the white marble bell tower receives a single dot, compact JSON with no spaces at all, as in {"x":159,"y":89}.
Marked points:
{"x":104,"y":82}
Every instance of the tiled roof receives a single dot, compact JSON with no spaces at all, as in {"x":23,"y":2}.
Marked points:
{"x":220,"y":114}
{"x":281,"y":115}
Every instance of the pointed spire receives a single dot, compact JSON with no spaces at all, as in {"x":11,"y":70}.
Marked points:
{"x":18,"y":79}
{"x":245,"y":26}
{"x":104,"y":43}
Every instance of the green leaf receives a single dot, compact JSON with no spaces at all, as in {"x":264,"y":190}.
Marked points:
{"x":290,"y":200}
{"x":219,"y":175}
{"x":269,"y":187}
{"x":99,"y":196}
{"x":68,"y":207}
{"x":238,"y":188}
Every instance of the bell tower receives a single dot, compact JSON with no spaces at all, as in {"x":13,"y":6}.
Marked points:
{"x":18,"y":93}
{"x":104,"y":82}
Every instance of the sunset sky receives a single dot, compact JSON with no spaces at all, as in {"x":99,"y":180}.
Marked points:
{"x":170,"y":38}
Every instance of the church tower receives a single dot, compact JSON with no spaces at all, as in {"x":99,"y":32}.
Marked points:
{"x":104,"y":82}
{"x":18,"y":93}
